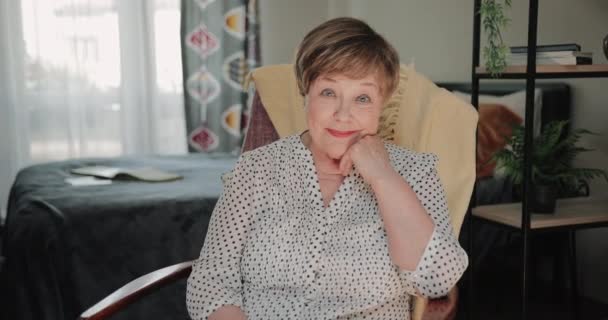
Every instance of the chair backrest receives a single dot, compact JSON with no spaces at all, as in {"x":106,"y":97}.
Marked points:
{"x":419,"y":116}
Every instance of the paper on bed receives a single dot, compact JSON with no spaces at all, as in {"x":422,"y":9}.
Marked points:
{"x":87,"y":181}
{"x":143,"y":174}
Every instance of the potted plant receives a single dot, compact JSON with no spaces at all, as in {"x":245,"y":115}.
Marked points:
{"x":494,"y":17}
{"x":552,"y":171}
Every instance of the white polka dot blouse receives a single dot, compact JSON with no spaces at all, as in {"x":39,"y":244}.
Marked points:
{"x":274,"y":250}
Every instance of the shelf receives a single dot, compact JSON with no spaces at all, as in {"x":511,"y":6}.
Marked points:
{"x":570,"y":212}
{"x":550,"y":71}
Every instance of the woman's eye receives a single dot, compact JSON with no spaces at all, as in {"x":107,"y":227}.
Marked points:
{"x":364,"y":99}
{"x":327,"y":93}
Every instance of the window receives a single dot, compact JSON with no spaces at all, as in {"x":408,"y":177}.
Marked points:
{"x":102,"y":78}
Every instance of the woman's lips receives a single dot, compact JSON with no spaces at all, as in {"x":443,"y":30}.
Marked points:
{"x":341,"y":134}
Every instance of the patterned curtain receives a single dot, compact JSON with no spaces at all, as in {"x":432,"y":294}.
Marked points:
{"x":220,"y":44}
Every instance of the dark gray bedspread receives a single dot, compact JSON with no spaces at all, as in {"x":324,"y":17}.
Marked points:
{"x":68,"y":247}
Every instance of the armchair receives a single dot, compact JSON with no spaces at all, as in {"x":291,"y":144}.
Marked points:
{"x":419,"y":116}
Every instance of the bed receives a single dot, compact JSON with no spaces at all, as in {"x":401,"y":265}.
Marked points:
{"x":67,"y":247}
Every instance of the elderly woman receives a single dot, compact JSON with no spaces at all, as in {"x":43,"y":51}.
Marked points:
{"x":332,"y":223}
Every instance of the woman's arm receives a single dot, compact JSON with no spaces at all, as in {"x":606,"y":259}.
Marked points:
{"x":408,"y":226}
{"x":406,"y":221}
{"x":215,"y":286}
{"x":431,"y":262}
{"x":414,"y":210}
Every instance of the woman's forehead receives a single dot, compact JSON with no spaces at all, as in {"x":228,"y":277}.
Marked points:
{"x":371,"y":80}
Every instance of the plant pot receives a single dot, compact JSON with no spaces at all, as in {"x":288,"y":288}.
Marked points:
{"x":544,"y":198}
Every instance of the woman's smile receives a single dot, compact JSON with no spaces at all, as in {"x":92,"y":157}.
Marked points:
{"x":341,"y":134}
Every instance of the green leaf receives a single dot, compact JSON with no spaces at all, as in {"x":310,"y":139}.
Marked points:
{"x":554,"y":151}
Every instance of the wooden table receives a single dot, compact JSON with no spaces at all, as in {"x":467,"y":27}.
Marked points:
{"x":570,"y":215}
{"x":575,"y":213}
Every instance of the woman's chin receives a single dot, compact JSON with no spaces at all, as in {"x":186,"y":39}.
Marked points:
{"x":335,"y":154}
{"x":332,"y":149}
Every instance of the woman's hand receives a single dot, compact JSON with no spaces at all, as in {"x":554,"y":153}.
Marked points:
{"x":442,"y":308}
{"x":370,"y":157}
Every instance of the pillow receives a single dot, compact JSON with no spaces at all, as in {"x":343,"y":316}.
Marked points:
{"x":497,"y":116}
{"x":495,"y":123}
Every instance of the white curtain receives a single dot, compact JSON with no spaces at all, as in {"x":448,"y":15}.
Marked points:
{"x":88,"y":78}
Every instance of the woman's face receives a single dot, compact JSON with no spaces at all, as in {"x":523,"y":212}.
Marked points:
{"x":340,"y":110}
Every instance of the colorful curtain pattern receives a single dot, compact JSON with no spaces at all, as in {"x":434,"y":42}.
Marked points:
{"x":220,"y":44}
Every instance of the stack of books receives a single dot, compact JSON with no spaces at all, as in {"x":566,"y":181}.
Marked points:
{"x":563,"y":54}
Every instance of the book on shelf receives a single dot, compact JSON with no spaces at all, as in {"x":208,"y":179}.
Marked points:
{"x":548,"y":48}
{"x":143,"y":174}
{"x":556,"y":57}
{"x":554,"y":54}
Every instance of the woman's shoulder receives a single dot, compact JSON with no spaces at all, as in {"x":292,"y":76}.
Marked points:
{"x":258,"y":161}
{"x":272,"y":153}
{"x":407,"y":160}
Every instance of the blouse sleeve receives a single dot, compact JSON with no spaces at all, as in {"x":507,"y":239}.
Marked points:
{"x":443,"y":261}
{"x":215,"y":280}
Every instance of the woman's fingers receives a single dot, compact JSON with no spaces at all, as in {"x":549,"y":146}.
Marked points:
{"x":346,"y":163}
{"x":349,"y":167}
{"x":362,"y":148}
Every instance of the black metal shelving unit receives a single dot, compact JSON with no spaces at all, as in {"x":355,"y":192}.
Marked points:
{"x":530,"y":73}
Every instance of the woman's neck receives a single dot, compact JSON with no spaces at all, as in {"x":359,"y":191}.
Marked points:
{"x":328,"y":174}
{"x":323,"y":163}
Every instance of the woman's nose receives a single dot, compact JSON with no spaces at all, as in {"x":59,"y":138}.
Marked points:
{"x":343,"y":111}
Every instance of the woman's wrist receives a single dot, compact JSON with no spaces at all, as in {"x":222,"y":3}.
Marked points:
{"x":386,"y":181}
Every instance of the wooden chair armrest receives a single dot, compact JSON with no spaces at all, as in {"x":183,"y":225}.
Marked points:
{"x":136,"y":289}
{"x":436,"y":309}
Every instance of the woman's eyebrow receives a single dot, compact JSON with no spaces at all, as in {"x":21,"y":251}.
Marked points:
{"x":328,"y":79}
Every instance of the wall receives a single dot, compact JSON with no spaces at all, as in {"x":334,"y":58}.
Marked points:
{"x":437,"y":36}
{"x":284,"y":24}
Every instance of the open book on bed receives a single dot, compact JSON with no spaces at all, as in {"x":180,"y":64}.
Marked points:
{"x":144,"y":174}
